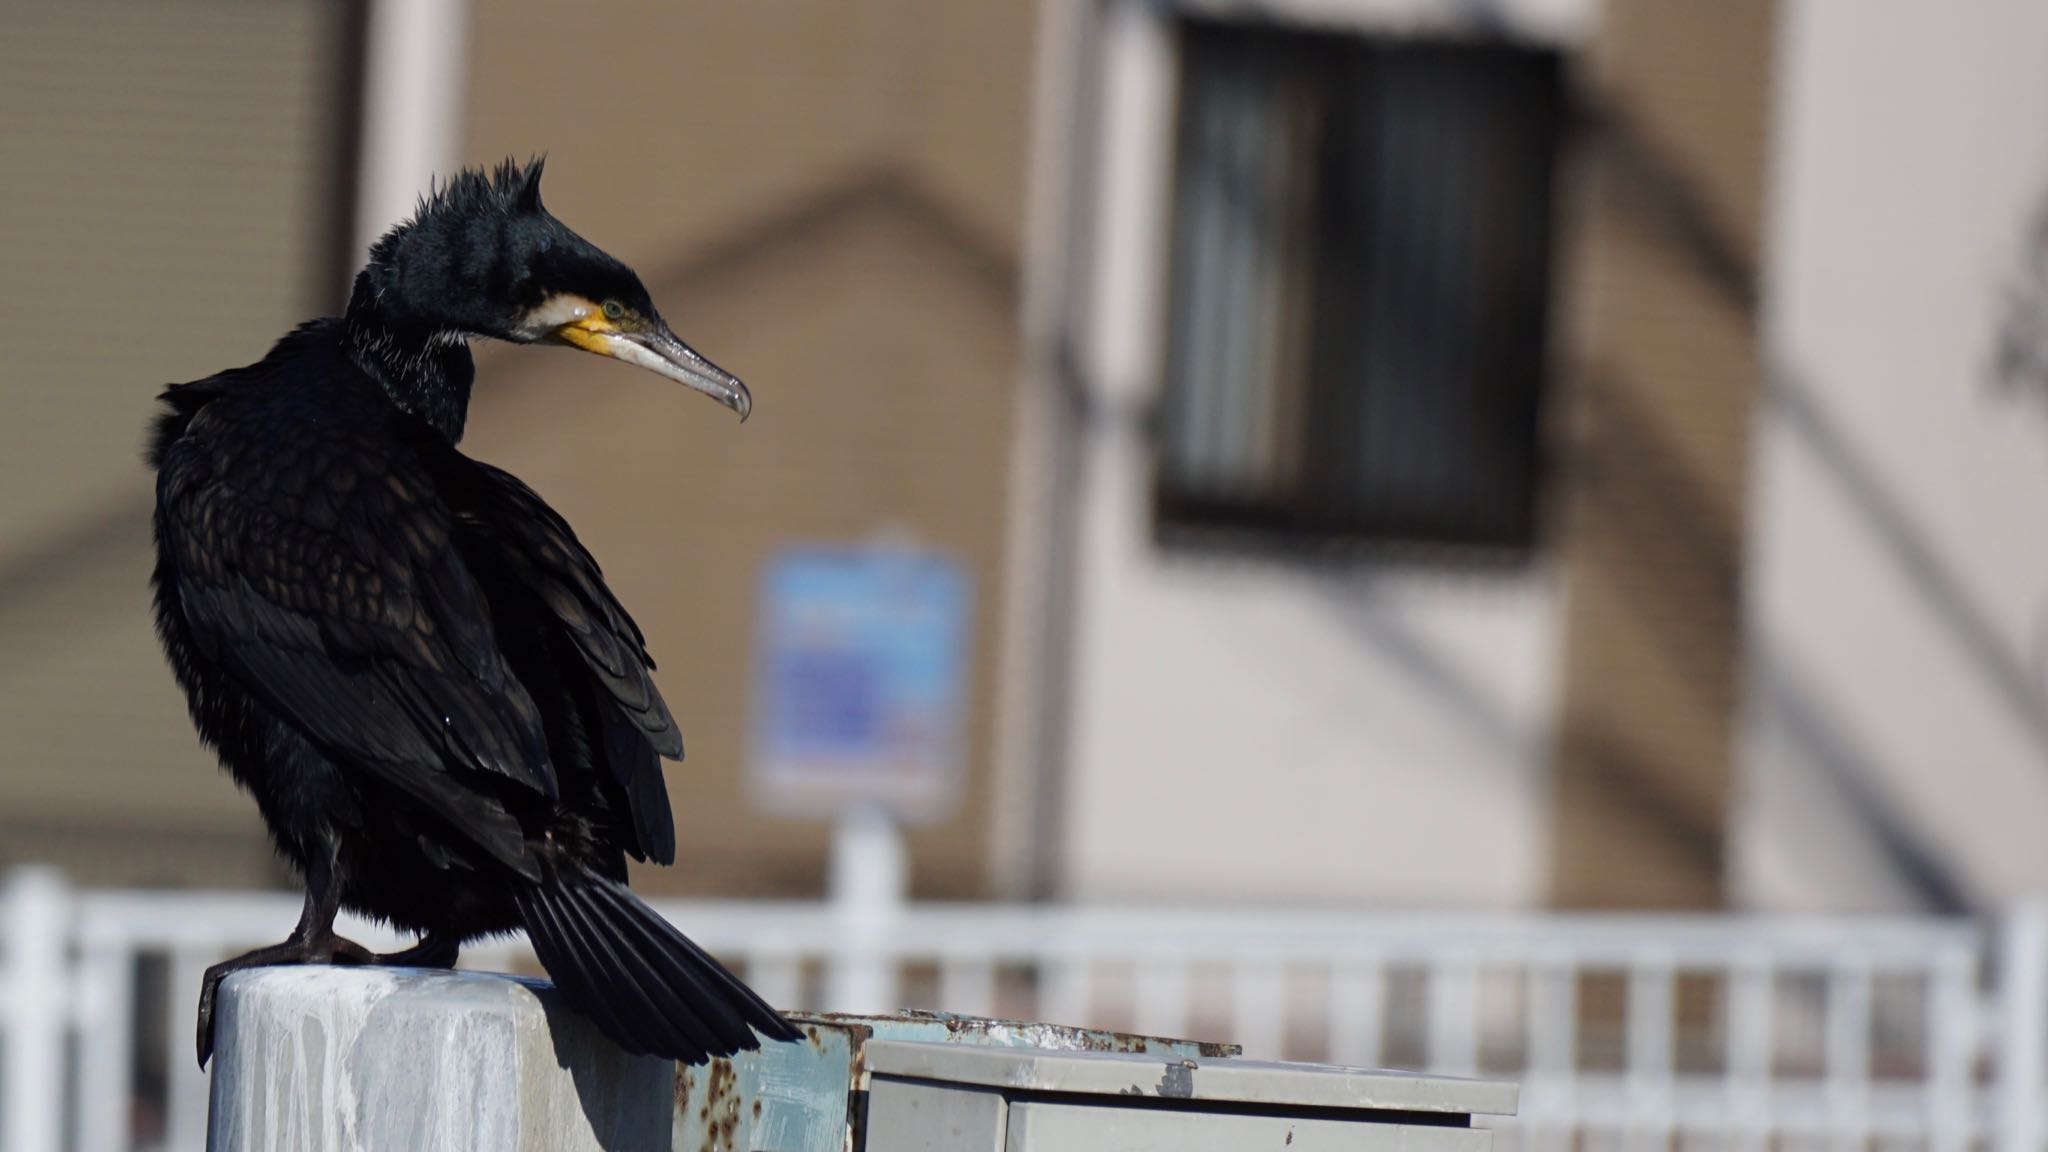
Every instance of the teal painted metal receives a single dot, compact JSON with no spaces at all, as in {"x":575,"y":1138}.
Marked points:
{"x":806,"y":1095}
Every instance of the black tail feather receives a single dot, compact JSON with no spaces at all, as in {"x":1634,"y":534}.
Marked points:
{"x":719,"y":1006}
{"x":721,"y":998}
{"x":607,"y":962}
{"x":643,"y":983}
{"x":553,"y":944}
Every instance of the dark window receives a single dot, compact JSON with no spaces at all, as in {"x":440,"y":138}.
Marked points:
{"x":1360,"y":276}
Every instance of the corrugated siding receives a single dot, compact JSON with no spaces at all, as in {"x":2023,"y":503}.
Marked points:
{"x":164,"y":213}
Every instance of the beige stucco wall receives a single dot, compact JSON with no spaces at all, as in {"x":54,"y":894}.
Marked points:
{"x":164,"y":213}
{"x":1900,"y":558}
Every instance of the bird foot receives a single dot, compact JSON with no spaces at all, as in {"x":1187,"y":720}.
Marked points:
{"x":431,"y":952}
{"x":325,"y":948}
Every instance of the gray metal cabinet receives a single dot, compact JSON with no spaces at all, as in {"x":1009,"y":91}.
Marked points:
{"x":926,"y":1097}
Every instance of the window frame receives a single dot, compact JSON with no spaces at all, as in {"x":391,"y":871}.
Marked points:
{"x":1184,"y":521}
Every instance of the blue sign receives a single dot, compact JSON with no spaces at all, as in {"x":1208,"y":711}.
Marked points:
{"x":860,"y":681}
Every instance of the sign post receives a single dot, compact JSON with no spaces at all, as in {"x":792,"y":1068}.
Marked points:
{"x":859,"y":690}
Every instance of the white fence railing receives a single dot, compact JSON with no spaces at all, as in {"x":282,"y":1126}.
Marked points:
{"x":1625,"y":1030}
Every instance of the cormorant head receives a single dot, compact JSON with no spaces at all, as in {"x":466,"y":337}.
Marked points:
{"x":482,"y":257}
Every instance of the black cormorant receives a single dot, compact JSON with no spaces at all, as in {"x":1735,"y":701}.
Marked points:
{"x":405,"y":655}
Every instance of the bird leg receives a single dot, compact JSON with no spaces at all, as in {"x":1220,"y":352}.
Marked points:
{"x":312,"y":942}
{"x":433,"y":951}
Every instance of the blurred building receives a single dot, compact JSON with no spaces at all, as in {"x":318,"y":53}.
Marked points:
{"x":825,"y":197}
{"x":1413,"y":451}
{"x":174,"y":200}
{"x":1411,"y":431}
{"x":1523,"y":453}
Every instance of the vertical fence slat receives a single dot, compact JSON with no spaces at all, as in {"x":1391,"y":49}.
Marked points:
{"x":1554,"y":1019}
{"x":1066,"y":992}
{"x":1848,"y":1054}
{"x":2023,"y":1043}
{"x":1751,"y":990}
{"x":1358,"y":1005}
{"x":1550,"y":1093}
{"x":1951,"y":1058}
{"x":967,"y":984}
{"x":184,"y":1084}
{"x":35,"y":914}
{"x":1454,"y":1015}
{"x":1160,"y":1000}
{"x":777,"y":977}
{"x":1258,"y":1007}
{"x":1652,"y":1032}
{"x":106,"y":1050}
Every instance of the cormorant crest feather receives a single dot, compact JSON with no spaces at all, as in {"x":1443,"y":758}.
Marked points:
{"x":510,"y":188}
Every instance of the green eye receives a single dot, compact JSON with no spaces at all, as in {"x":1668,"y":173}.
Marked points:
{"x":613,"y":309}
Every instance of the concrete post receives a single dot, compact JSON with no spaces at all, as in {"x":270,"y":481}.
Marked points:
{"x":329,"y":1059}
{"x":34,"y":932}
{"x":2023,"y":1039}
{"x":869,"y":883}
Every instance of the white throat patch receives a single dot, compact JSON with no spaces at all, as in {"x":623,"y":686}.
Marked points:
{"x":552,"y":313}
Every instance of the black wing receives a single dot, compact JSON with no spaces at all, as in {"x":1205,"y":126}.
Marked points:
{"x":493,"y":508}
{"x":315,"y":563}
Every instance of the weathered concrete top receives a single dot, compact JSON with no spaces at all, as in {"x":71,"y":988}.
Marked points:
{"x":1171,"y":1077}
{"x":805,"y":1096}
{"x":330,"y":1059}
